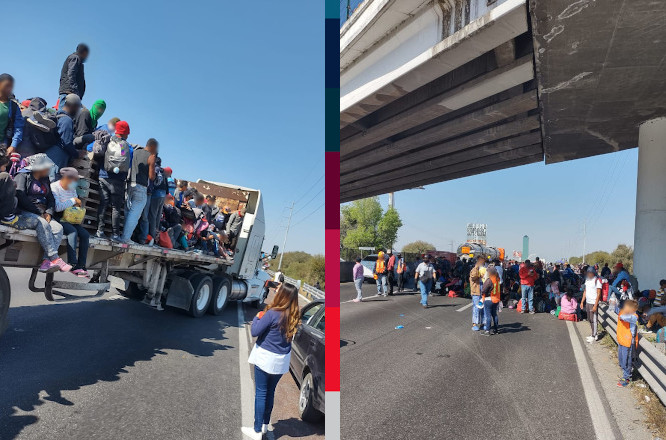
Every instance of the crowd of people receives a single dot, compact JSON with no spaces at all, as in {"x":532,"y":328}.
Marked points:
{"x":569,"y":292}
{"x":41,"y":190}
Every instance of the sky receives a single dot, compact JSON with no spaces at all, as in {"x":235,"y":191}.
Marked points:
{"x":233,"y":91}
{"x":549,"y":203}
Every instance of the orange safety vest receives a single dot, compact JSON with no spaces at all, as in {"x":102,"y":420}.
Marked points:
{"x":624,"y":333}
{"x":381,"y":266}
{"x":495,"y":293}
{"x":401,"y":266}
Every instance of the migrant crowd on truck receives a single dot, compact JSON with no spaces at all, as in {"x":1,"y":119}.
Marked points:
{"x":572,"y":293}
{"x":40,"y":190}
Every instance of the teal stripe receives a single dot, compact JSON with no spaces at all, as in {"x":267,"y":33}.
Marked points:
{"x":333,"y":9}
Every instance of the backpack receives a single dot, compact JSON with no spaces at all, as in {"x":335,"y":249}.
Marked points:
{"x":634,"y":283}
{"x":159,"y":176}
{"x":39,"y":136}
{"x":117,"y":155}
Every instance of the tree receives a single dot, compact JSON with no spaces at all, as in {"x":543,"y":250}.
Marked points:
{"x":622,"y":253}
{"x":387,"y":229}
{"x":418,"y":247}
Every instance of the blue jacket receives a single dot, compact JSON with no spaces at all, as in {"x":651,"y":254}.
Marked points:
{"x":623,"y":275}
{"x":66,"y":132}
{"x":269,"y":334}
{"x":15,"y":125}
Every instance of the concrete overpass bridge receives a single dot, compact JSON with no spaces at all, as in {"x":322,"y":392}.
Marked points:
{"x":434,"y":90}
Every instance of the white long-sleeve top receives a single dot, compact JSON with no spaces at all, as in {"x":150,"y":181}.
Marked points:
{"x":64,"y":198}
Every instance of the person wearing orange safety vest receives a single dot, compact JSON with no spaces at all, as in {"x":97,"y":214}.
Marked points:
{"x":379,"y":273}
{"x":400,"y":269}
{"x":490,"y":297}
{"x":627,"y":339}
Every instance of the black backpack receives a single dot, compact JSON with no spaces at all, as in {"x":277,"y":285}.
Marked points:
{"x":39,"y":139}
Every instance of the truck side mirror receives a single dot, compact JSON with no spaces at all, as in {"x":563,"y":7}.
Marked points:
{"x":274,"y":252}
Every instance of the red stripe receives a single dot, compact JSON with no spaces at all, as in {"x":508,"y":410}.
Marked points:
{"x":332,"y":237}
{"x":332,"y":348}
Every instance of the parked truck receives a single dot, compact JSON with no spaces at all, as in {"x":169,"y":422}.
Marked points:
{"x":195,"y":283}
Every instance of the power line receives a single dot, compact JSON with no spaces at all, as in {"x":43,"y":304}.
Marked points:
{"x":309,"y":201}
{"x":307,"y":216}
{"x":309,"y":189}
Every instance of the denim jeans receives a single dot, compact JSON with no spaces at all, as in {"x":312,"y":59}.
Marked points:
{"x":624,"y":356}
{"x":490,"y":313}
{"x":144,"y":224}
{"x":75,"y":233}
{"x":136,"y":201}
{"x":476,"y":313}
{"x":49,"y":234}
{"x":425,"y":290}
{"x":264,"y":396}
{"x":358,"y":283}
{"x":527,"y":292}
{"x":60,"y":158}
{"x":381,"y":284}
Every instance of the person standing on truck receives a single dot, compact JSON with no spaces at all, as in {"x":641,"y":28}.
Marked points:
{"x":142,"y":170}
{"x":234,"y":227}
{"x":171,"y":182}
{"x":85,"y":123}
{"x":213,"y":208}
{"x":274,"y":329}
{"x":11,"y":119}
{"x":72,"y":76}
{"x":36,"y":207}
{"x":8,"y":200}
{"x":64,"y":193}
{"x":115,"y":154}
{"x":64,"y":151}
{"x":158,"y":189}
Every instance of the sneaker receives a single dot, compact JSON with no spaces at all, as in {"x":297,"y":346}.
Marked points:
{"x":129,"y":241}
{"x":10,"y":220}
{"x":157,"y":303}
{"x":425,"y":306}
{"x":101,"y":234}
{"x":623,"y":383}
{"x":48,"y":267}
{"x":589,"y":338}
{"x":475,"y":328}
{"x":81,"y":273}
{"x":251,"y":433}
{"x":266,"y":427}
{"x":532,"y":312}
{"x":356,"y":300}
{"x":485,"y":333}
{"x":37,"y":125}
{"x":64,"y":267}
{"x":49,"y":123}
{"x":645,"y":331}
{"x":116,"y":237}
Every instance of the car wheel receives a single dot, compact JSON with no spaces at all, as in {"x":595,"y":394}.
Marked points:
{"x":306,"y":400}
{"x":221,"y":291}
{"x":203,"y":291}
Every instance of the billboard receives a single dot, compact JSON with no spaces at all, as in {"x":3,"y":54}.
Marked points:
{"x":476,"y":233}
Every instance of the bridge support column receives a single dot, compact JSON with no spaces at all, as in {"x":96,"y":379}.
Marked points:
{"x":650,"y":227}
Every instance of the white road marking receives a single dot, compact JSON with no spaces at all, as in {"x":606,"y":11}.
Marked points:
{"x":464,"y":307}
{"x":600,"y":422}
{"x":246,"y":383}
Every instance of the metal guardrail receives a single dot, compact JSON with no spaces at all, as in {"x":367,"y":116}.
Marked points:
{"x":651,"y":362}
{"x":306,"y":290}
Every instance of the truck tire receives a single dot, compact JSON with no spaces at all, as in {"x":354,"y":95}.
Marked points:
{"x":5,"y":296}
{"x":306,"y":401}
{"x":221,"y":291}
{"x":133,"y":291}
{"x":203,"y":291}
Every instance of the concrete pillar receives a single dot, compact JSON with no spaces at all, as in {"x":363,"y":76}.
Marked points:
{"x":650,"y":229}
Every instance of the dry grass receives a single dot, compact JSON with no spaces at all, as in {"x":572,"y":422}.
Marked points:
{"x":655,"y":412}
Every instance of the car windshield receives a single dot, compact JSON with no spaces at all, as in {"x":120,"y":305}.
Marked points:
{"x":309,"y":312}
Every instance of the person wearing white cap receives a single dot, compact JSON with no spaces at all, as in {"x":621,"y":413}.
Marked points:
{"x":36,"y":207}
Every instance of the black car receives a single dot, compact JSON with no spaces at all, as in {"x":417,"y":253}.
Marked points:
{"x":307,"y":361}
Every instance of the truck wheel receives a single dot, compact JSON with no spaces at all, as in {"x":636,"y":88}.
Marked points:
{"x":221,"y":291}
{"x":306,"y":401}
{"x":203,"y":291}
{"x":133,"y":291}
{"x":5,"y":296}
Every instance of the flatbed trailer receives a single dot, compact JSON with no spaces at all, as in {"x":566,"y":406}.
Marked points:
{"x":194,"y":282}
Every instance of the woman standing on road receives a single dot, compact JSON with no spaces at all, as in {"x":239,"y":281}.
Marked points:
{"x":274,"y":329}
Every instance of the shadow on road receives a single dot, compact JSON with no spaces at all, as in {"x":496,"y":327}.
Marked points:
{"x":296,"y":428}
{"x":53,"y":348}
{"x":514,"y":327}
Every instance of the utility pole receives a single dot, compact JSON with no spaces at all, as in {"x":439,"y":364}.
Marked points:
{"x":451,"y":243}
{"x":284,"y":243}
{"x":584,"y":238}
{"x":391,"y":201}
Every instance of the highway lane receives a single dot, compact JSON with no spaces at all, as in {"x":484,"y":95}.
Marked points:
{"x":435,"y":378}
{"x":114,"y":368}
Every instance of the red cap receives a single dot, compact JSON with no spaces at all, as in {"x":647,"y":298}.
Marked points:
{"x":168,"y":170}
{"x":122,"y":128}
{"x":619,"y":265}
{"x":25,"y":103}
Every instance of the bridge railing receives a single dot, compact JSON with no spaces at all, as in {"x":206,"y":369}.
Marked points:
{"x":651,"y":362}
{"x":306,"y":290}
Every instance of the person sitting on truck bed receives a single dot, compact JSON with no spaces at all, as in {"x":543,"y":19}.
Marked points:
{"x":179,"y":194}
{"x":115,"y":155}
{"x":64,"y":193}
{"x":234,"y":226}
{"x":172,"y":223}
{"x":36,"y":207}
{"x":214,"y":209}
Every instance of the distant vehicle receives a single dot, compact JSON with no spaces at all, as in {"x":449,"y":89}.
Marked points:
{"x":369,"y":267}
{"x":473,"y":250}
{"x":307,"y":361}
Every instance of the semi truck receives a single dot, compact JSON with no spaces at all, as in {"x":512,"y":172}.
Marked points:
{"x":473,"y":250}
{"x":195,"y":283}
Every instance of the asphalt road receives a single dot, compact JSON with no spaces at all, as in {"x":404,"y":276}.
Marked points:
{"x":113,"y":368}
{"x":435,"y":378}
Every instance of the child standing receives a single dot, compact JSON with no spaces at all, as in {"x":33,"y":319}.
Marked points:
{"x":627,"y":339}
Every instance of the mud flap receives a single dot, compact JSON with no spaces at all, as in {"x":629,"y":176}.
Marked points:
{"x":180,"y":293}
